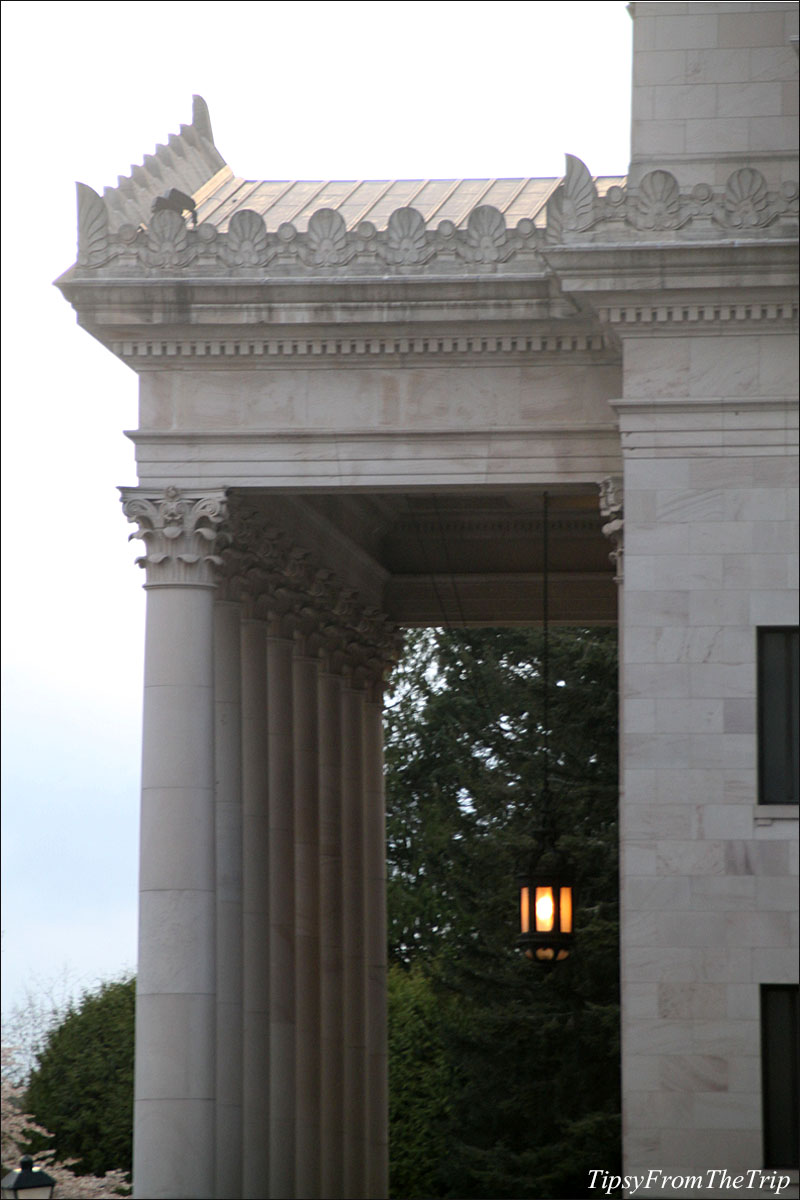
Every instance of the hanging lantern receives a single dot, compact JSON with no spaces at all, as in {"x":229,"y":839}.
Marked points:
{"x":546,"y":897}
{"x":546,"y":902}
{"x":27,"y":1180}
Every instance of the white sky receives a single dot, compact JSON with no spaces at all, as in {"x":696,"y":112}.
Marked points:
{"x":295,"y":90}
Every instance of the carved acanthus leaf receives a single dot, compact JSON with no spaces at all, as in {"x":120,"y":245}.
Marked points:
{"x":181,"y":533}
{"x":571,"y":208}
{"x":93,"y":240}
{"x":279,"y":581}
{"x":611,"y":509}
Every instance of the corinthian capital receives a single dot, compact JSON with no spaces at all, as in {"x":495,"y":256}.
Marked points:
{"x":181,"y":532}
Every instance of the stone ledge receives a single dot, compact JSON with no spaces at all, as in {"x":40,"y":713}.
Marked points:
{"x":765,"y":814}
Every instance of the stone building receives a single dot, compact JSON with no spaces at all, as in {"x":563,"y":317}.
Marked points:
{"x":352,"y":396}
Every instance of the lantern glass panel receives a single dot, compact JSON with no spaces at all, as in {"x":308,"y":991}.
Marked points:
{"x":545,"y":909}
{"x":565,"y":909}
{"x":30,"y":1193}
{"x":525,"y":910}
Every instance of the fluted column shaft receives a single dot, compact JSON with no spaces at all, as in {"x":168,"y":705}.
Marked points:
{"x":375,"y":882}
{"x":255,"y":914}
{"x":355,"y":978}
{"x":228,"y":770}
{"x":261,"y":1009}
{"x":307,"y":947}
{"x":280,"y":772}
{"x":331,"y":937}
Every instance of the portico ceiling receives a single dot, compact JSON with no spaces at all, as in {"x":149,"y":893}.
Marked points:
{"x":464,"y":557}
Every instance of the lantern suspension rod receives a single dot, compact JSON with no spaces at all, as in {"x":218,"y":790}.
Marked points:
{"x":546,"y":653}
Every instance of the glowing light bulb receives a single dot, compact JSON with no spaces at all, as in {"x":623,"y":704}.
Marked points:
{"x":545,"y":909}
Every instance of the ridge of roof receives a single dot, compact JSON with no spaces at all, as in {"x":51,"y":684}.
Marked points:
{"x":188,"y":161}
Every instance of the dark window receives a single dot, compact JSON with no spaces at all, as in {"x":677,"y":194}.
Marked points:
{"x":778,"y":655}
{"x":780,"y":1077}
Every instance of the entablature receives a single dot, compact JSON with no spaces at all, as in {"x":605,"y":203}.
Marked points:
{"x":223,"y":270}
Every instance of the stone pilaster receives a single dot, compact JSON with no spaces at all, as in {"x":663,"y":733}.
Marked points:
{"x":174,"y":1126}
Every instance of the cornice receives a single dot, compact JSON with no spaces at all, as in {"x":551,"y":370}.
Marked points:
{"x":708,"y":403}
{"x":318,"y":435}
{"x":638,"y":258}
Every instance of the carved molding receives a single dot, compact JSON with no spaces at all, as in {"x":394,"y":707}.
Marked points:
{"x":182,"y":534}
{"x":612,"y":512}
{"x":278,"y":581}
{"x":188,"y":161}
{"x":698,"y":314}
{"x":575,"y":211}
{"x":407,"y":245}
{"x":364,"y":350}
{"x":192,"y":539}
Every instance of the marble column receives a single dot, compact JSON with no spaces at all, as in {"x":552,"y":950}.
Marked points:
{"x":354,"y":922}
{"x":280,"y":777}
{"x":375,"y":881}
{"x":331,"y":935}
{"x":228,"y":770}
{"x":174,"y":1120}
{"x":307,"y":947}
{"x":255,"y":909}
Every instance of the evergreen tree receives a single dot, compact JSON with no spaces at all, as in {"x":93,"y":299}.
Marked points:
{"x":531,"y":1058}
{"x":81,"y":1088}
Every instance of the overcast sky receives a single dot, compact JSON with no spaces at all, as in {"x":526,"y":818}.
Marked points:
{"x":295,"y":90}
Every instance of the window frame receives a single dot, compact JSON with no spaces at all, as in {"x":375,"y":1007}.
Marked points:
{"x":766,"y":736}
{"x":770,"y":1101}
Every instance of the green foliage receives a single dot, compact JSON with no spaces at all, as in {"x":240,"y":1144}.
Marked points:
{"x":82,"y":1085}
{"x":418,"y":1085}
{"x":531,"y":1059}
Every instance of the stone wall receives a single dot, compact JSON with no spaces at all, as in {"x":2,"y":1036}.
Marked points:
{"x":714,"y":87}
